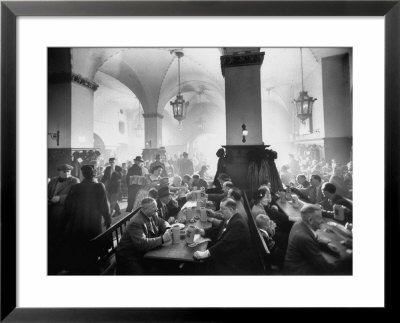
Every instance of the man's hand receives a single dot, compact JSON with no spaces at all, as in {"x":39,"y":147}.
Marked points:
{"x":201,"y":254}
{"x":171,"y":220}
{"x":107,"y":224}
{"x":55,"y":199}
{"x":167,"y":236}
{"x":199,"y":231}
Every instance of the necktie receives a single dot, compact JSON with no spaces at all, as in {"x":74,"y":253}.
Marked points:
{"x":222,"y":231}
{"x":153,"y":227}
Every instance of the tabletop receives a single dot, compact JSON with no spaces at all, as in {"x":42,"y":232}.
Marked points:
{"x":291,"y":210}
{"x":181,"y":251}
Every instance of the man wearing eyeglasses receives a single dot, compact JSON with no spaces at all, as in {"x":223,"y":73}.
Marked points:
{"x":230,"y":252}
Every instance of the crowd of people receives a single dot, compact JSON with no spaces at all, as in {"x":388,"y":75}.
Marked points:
{"x":298,"y":172}
{"x":81,"y":210}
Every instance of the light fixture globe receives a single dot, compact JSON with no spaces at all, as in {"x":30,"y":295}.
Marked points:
{"x":179,"y":106}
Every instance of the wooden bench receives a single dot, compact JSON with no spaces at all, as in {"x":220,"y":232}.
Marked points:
{"x":104,"y":245}
{"x":263,"y":254}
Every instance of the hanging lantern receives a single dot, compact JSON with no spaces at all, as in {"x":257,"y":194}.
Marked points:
{"x":304,"y":103}
{"x":179,"y":106}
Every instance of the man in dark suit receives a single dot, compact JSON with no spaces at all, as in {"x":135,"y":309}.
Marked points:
{"x":303,"y":255}
{"x":167,"y":207}
{"x":230,"y":251}
{"x":58,"y":189}
{"x":145,"y":231}
{"x":134,"y":188}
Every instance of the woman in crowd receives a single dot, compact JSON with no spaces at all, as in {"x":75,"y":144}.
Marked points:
{"x":152,"y":180}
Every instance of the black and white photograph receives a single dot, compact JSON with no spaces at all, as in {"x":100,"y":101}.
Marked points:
{"x":200,"y":161}
{"x":187,"y":160}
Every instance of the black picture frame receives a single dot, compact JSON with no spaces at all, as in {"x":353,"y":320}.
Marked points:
{"x":10,"y":11}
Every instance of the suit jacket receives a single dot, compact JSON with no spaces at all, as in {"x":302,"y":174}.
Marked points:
{"x":303,"y":255}
{"x":140,"y":236}
{"x":231,"y":249}
{"x":55,"y":211}
{"x":62,"y":189}
{"x":167,"y":211}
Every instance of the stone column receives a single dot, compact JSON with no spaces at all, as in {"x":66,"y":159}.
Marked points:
{"x":152,"y":134}
{"x":241,"y":69}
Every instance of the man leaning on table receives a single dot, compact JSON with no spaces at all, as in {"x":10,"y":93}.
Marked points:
{"x":303,"y":255}
{"x":230,"y":251}
{"x":145,"y":231}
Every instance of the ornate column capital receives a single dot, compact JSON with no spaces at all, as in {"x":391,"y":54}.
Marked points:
{"x":153,"y":115}
{"x":245,"y":59}
{"x":84,"y":81}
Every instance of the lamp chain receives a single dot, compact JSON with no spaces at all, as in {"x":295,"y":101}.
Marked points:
{"x":301,"y":58}
{"x":179,"y":75}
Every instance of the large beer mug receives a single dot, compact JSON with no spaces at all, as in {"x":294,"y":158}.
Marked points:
{"x":203,"y":214}
{"x":338,"y":212}
{"x":176,"y":235}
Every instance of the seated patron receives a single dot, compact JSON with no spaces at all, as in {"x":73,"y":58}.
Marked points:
{"x":236,"y":194}
{"x":267,"y":230}
{"x":167,"y":207}
{"x":145,"y":231}
{"x":176,"y":184}
{"x":312,"y":194}
{"x":198,"y":182}
{"x":187,"y":180}
{"x":221,"y":179}
{"x":230,"y":252}
{"x":303,"y":255}
{"x":218,"y":197}
{"x":262,"y":199}
{"x":302,"y":181}
{"x":329,"y":191}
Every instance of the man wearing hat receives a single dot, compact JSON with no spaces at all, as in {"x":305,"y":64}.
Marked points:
{"x":167,"y":207}
{"x":135,"y":170}
{"x":58,"y":189}
{"x":185,"y":165}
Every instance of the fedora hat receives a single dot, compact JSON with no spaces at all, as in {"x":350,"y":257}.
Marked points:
{"x":138,"y":158}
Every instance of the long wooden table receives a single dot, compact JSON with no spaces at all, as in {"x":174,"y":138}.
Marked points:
{"x":180,"y":251}
{"x":327,"y":231}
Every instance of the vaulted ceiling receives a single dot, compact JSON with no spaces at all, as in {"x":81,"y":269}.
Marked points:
{"x":152,"y":73}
